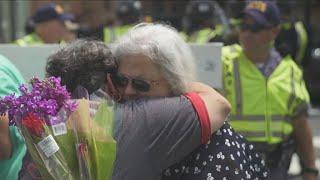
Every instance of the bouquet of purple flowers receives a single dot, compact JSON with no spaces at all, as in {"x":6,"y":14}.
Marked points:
{"x":65,"y":140}
{"x":34,"y":112}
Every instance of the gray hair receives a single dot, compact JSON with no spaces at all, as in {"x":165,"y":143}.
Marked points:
{"x":163,"y":45}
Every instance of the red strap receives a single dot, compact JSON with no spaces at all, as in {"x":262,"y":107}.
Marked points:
{"x":202,"y":111}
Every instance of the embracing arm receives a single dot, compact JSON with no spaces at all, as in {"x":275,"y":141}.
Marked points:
{"x":217,"y":106}
{"x":10,"y":79}
{"x":169,"y":128}
{"x":305,"y":149}
{"x":5,"y":141}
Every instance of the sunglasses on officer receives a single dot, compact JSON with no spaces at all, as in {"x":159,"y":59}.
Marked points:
{"x":122,"y":81}
{"x":253,"y":27}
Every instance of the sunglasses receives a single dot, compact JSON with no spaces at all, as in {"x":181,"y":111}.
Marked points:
{"x":252,"y":27}
{"x":121,"y":80}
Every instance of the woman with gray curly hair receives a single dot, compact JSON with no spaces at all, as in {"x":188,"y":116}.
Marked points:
{"x":163,"y":47}
{"x":154,"y":61}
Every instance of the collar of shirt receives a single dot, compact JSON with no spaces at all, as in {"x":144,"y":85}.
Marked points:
{"x":271,"y":64}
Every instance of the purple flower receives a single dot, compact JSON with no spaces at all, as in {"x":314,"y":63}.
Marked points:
{"x":45,"y":99}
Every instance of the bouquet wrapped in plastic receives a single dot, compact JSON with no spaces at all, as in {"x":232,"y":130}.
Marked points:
{"x":92,"y":125}
{"x":63,"y":137}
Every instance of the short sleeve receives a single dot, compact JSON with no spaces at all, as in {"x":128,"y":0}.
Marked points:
{"x":10,"y":77}
{"x":10,"y":168}
{"x":156,"y":133}
{"x":7,"y":85}
{"x":174,"y":130}
{"x":301,"y":101}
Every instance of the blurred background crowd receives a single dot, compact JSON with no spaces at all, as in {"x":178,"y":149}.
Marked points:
{"x":26,"y":22}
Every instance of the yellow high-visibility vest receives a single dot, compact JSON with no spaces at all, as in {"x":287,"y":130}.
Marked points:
{"x":263,"y":107}
{"x":30,"y":39}
{"x":111,"y":34}
{"x":302,"y":39}
{"x":204,"y":35}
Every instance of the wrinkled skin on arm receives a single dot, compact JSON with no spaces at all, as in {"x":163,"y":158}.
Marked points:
{"x":217,"y":106}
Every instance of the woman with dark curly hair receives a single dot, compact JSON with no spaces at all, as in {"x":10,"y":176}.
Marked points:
{"x":85,"y":63}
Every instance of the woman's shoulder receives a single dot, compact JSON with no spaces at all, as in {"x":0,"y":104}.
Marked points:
{"x":227,"y":154}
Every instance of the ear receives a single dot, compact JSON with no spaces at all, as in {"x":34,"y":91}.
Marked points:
{"x":112,"y":90}
{"x":275,"y":31}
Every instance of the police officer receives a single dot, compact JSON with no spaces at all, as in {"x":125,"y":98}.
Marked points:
{"x":49,"y":25}
{"x":233,"y":9}
{"x":293,"y":38}
{"x":268,"y":93}
{"x":128,"y":14}
{"x":201,"y":22}
{"x":29,"y":26}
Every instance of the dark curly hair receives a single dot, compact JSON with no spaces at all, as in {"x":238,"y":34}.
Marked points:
{"x":82,"y":62}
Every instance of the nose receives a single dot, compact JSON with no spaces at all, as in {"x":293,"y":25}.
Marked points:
{"x":244,"y":31}
{"x":245,"y":34}
{"x":129,"y":90}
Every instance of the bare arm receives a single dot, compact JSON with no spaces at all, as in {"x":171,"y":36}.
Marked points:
{"x":303,"y":137}
{"x":218,"y":107}
{"x":5,"y":141}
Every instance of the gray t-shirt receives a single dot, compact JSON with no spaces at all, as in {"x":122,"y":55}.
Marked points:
{"x":153,"y":134}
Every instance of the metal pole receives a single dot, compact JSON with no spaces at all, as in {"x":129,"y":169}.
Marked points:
{"x":5,"y":21}
{"x":20,"y":13}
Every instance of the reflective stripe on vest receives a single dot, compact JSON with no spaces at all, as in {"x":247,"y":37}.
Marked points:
{"x":238,"y":87}
{"x":113,"y":33}
{"x":258,"y":118}
{"x":293,"y":91}
{"x":302,"y":40}
{"x":202,"y":36}
{"x":109,"y":35}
